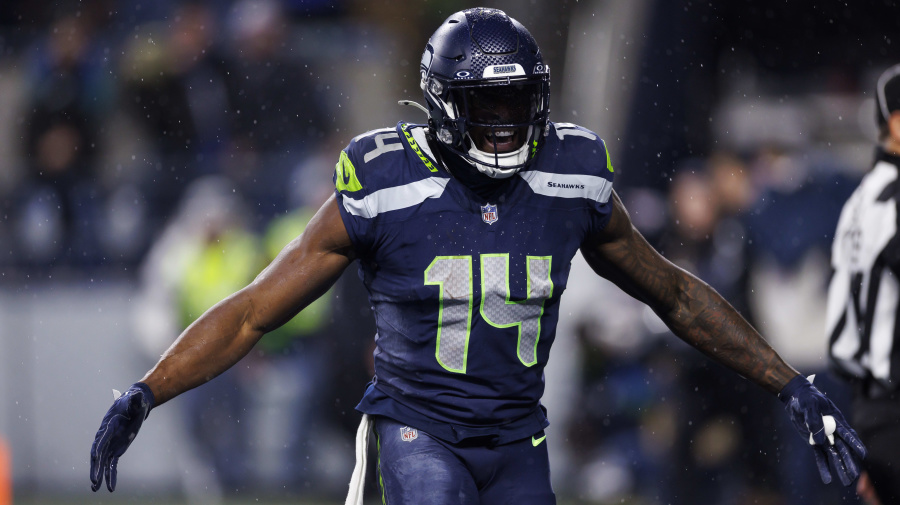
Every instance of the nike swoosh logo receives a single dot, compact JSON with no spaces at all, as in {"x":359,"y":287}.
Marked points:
{"x":537,"y":441}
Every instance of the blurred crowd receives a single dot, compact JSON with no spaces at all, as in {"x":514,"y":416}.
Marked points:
{"x":183,"y":143}
{"x":115,"y":123}
{"x":179,"y":145}
{"x":673,"y":426}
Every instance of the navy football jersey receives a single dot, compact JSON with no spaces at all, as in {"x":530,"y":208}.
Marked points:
{"x":466,"y":291}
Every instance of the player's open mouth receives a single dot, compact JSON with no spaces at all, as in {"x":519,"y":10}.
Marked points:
{"x":505,"y":140}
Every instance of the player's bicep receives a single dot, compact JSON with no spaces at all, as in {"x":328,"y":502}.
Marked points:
{"x":303,"y":271}
{"x":621,"y":254}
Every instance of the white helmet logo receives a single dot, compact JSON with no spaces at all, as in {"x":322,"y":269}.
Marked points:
{"x":512,"y":69}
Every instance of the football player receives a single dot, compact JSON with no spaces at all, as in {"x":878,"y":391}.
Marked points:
{"x":463,"y":230}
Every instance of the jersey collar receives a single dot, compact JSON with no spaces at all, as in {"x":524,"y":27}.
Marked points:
{"x":418,"y":143}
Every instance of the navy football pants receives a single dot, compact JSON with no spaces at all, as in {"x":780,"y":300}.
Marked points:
{"x":415,"y":468}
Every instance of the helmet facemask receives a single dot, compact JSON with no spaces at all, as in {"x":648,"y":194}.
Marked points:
{"x":495,"y":126}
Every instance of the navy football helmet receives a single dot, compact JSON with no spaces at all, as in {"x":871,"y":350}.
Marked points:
{"x":487,"y":90}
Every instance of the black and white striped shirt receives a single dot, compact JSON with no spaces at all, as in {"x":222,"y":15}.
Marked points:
{"x":864,"y":294}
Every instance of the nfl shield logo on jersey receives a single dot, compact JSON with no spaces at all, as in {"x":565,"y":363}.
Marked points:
{"x":489,"y":213}
{"x":408,"y":434}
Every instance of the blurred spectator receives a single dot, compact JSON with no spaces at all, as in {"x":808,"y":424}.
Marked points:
{"x":705,"y":235}
{"x":205,"y":251}
{"x":222,"y":260}
{"x":278,"y":115}
{"x":60,"y":199}
{"x":288,"y":383}
{"x":789,"y":231}
{"x":724,"y":417}
{"x":621,"y":433}
{"x":800,"y":191}
{"x":174,"y":86}
{"x":262,"y":426}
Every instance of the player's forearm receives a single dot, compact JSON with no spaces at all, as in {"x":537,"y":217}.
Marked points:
{"x":702,"y":318}
{"x":208,"y":347}
{"x":304,"y":270}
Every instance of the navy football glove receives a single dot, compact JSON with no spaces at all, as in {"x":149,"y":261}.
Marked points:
{"x":836,"y":446}
{"x":117,"y":429}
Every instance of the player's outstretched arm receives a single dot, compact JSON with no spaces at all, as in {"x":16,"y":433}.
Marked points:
{"x":697,"y":314}
{"x":304,"y":270}
{"x":690,"y":308}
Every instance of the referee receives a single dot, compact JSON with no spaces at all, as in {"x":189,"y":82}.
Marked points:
{"x":864,"y":299}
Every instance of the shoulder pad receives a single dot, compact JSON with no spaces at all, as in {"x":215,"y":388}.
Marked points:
{"x":372,"y":144}
{"x":579,"y":148}
{"x":384,"y":158}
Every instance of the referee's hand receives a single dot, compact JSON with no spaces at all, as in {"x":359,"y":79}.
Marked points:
{"x":836,"y":446}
